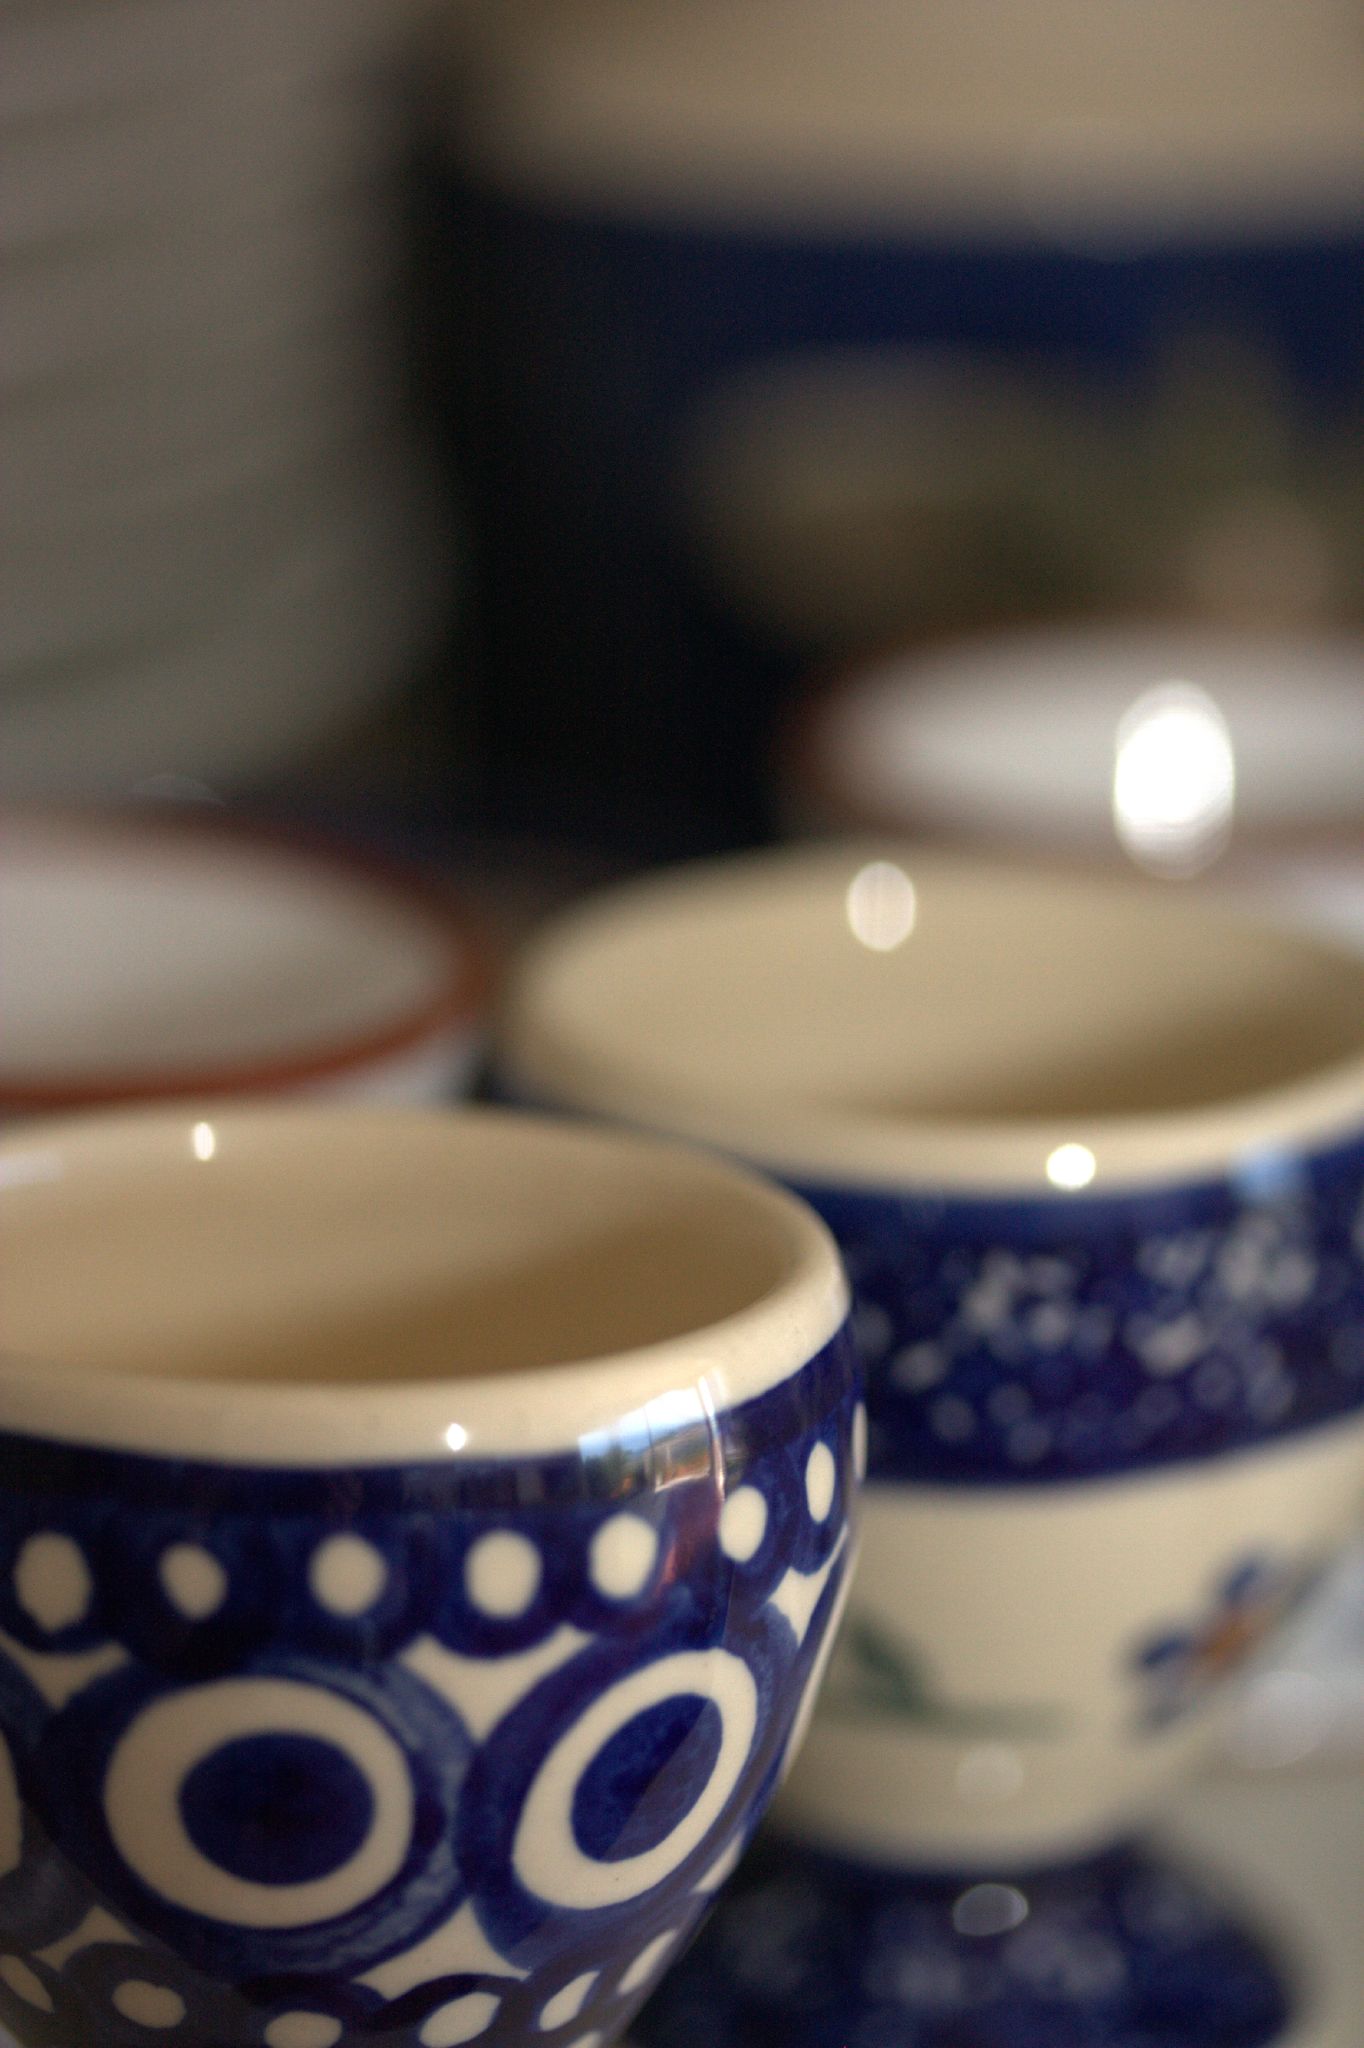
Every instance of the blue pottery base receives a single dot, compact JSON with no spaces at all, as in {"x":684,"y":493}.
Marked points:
{"x":1124,"y":1950}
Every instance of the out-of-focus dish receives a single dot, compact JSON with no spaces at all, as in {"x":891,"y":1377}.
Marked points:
{"x":158,"y":954}
{"x":218,"y":540}
{"x":1163,"y":743}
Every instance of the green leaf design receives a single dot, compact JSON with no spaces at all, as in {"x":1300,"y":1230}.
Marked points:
{"x":879,"y":1676}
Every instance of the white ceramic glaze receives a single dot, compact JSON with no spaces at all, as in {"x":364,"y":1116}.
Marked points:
{"x":891,"y":1016}
{"x":151,"y":953}
{"x":1036,"y":1737}
{"x":316,"y":1287}
{"x":1021,"y":739}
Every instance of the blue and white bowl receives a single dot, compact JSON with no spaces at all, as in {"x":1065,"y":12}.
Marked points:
{"x":1095,"y":1159}
{"x":418,"y":1542}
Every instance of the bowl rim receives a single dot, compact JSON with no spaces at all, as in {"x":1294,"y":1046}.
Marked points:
{"x":549,"y":1410}
{"x":850,"y":1151}
{"x":456,"y":1002}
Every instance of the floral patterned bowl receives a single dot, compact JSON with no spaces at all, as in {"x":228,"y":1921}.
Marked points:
{"x":1095,"y":1157}
{"x":418,"y":1538}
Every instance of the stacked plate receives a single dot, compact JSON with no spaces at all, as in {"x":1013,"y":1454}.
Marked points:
{"x":213,"y":547}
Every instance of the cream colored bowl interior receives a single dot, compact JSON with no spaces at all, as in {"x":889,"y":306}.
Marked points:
{"x":853,"y":1011}
{"x":409,"y":1271}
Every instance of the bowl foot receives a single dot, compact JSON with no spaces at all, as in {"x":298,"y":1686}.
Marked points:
{"x":1123,"y":1950}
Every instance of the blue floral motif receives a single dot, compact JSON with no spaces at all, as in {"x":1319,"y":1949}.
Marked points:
{"x":281,"y":1754}
{"x":1064,"y":1337}
{"x":1180,"y":1668}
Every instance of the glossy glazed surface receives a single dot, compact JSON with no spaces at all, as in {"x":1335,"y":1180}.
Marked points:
{"x":408,"y":1751}
{"x":896,"y":1019}
{"x":386,"y":1706}
{"x":1017,"y":739}
{"x":1096,"y":1163}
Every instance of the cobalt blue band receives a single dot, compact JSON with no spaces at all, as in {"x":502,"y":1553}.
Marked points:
{"x":1064,"y":1337}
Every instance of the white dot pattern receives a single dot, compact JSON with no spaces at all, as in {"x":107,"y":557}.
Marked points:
{"x":193,"y":1580}
{"x":303,"y":2030}
{"x":463,"y":2019}
{"x":347,"y":1575}
{"x":568,"y":2003}
{"x":502,"y":1574}
{"x":149,"y":2005}
{"x":647,"y":1963}
{"x":624,"y":1551}
{"x":821,"y":1476}
{"x":52,"y":1581}
{"x":743,"y":1524}
{"x":25,"y":1983}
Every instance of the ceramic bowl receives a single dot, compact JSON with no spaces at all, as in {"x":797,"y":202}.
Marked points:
{"x":418,"y":1536}
{"x":1095,"y":1158}
{"x":165,"y":952}
{"x":1164,"y":745}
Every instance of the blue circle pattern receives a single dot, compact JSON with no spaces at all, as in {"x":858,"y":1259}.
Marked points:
{"x":1065,"y":1337}
{"x":277,"y":1809}
{"x":69,"y":1694}
{"x":664,"y":1752}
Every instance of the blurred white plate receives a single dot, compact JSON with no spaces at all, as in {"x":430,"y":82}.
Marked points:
{"x":226,"y":149}
{"x":1017,"y":738}
{"x":1293,"y":1844}
{"x":177,"y":410}
{"x":162,"y":562}
{"x":164,"y":953}
{"x":244,"y":285}
{"x":334,"y":624}
{"x":62,"y":56}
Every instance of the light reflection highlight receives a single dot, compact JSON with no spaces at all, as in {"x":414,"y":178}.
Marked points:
{"x":30,"y":1169}
{"x":882,"y":906}
{"x":1071,"y":1166}
{"x":990,"y":1774}
{"x":1174,"y":780}
{"x":990,"y":1909}
{"x":456,"y":1437}
{"x":1288,"y":1718}
{"x":203,"y":1141}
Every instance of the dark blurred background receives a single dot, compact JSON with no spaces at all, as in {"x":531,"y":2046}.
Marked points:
{"x":505,"y":417}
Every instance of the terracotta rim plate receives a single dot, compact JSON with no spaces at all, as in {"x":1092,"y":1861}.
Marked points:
{"x":163,"y":954}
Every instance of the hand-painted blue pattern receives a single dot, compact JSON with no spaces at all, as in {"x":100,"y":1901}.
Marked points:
{"x":1120,"y":1952}
{"x":374,"y":1758}
{"x":1178,"y":1668}
{"x":1066,"y":1337}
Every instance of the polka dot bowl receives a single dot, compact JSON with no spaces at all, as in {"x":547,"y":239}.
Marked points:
{"x":418,"y":1543}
